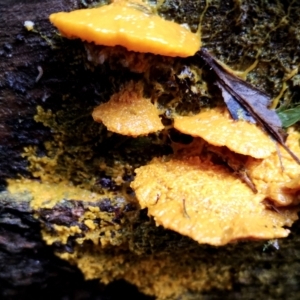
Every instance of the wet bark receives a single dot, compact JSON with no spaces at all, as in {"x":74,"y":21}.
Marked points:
{"x":27,"y":266}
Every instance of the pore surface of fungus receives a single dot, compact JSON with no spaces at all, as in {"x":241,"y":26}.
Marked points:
{"x":218,"y":128}
{"x":128,"y":24}
{"x":205,"y":202}
{"x":129,"y":113}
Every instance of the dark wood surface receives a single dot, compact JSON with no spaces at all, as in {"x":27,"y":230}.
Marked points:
{"x":29,"y":268}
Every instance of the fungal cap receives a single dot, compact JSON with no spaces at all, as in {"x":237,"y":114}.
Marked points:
{"x":282,"y":187}
{"x":219,"y":129}
{"x":129,"y":113}
{"x":126,"y":24}
{"x":206,"y":202}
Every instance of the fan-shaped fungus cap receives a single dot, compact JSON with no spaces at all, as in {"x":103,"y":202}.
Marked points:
{"x":127,"y":24}
{"x":218,"y":128}
{"x":282,"y":186}
{"x":205,"y":202}
{"x":129,"y":113}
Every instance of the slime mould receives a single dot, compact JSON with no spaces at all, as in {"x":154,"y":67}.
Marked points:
{"x":249,"y":99}
{"x":97,"y":222}
{"x":133,"y":26}
{"x":177,"y":189}
{"x":128,"y":24}
{"x":125,"y":112}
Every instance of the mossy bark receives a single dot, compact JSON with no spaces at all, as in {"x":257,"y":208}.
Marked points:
{"x":46,"y":133}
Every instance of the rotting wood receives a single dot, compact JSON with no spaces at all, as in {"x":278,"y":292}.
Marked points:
{"x":257,"y":269}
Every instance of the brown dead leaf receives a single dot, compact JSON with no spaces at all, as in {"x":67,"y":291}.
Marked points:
{"x":250,"y":99}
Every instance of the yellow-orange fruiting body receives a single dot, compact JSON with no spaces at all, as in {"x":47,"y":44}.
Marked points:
{"x":218,"y":128}
{"x":206,"y":202}
{"x":126,"y":24}
{"x":129,"y":113}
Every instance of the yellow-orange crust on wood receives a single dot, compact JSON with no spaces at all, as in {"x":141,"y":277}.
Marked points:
{"x":280,"y":186}
{"x":129,"y":24}
{"x":218,"y":128}
{"x":129,"y":113}
{"x":206,"y":202}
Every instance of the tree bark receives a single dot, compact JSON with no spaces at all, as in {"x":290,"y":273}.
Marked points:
{"x":39,"y":69}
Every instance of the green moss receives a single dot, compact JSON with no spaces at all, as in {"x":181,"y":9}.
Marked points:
{"x":259,"y":39}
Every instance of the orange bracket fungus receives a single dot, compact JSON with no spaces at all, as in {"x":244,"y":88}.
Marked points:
{"x":128,"y":24}
{"x":251,"y":100}
{"x":206,"y":202}
{"x":203,"y":199}
{"x":129,"y":113}
{"x":281,"y":187}
{"x":192,"y":193}
{"x":218,"y":128}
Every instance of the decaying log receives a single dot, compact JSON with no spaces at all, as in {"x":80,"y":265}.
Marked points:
{"x":48,"y":89}
{"x":28,"y":268}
